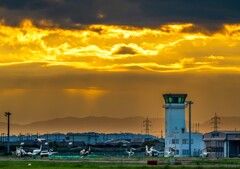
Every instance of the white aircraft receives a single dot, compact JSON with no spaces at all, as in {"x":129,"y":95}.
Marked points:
{"x":85,"y":152}
{"x":147,"y":152}
{"x":170,"y":152}
{"x":152,"y":152}
{"x":46,"y":153}
{"x":37,"y":151}
{"x":204,"y":153}
{"x":20,"y":152}
{"x":130,"y":153}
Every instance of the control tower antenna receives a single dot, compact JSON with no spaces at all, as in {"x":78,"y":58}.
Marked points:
{"x":147,"y":125}
{"x":215,"y":121}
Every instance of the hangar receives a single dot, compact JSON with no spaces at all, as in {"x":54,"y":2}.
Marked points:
{"x":222,"y":143}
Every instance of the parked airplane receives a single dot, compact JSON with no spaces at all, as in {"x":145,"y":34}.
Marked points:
{"x":152,"y":152}
{"x":130,"y":152}
{"x":47,"y":153}
{"x":170,"y":152}
{"x":85,"y":152}
{"x":37,"y":151}
{"x":204,"y":153}
{"x":20,"y":152}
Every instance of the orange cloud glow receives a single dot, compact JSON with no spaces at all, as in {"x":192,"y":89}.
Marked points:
{"x":117,"y":48}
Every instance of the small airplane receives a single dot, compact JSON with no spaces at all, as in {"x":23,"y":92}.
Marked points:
{"x":130,"y":152}
{"x":37,"y":151}
{"x":170,"y":152}
{"x":47,"y":153}
{"x":204,"y":153}
{"x":152,"y":152}
{"x":85,"y":152}
{"x":20,"y":152}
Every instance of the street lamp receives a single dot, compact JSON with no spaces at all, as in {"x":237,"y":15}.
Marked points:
{"x":8,"y":114}
{"x":190,"y":121}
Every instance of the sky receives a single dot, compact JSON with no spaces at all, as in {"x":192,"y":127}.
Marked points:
{"x":116,"y":58}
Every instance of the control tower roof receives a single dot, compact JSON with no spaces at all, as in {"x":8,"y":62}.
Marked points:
{"x":175,"y":98}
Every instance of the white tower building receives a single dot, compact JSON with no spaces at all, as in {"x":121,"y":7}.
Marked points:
{"x":176,"y":135}
{"x":174,"y":113}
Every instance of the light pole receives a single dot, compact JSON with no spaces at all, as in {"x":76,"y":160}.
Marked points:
{"x":8,"y":114}
{"x":190,"y":121}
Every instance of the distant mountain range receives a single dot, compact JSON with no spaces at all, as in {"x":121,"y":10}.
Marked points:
{"x":107,"y":125}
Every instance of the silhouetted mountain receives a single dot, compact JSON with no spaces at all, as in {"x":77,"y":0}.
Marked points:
{"x":108,"y":125}
{"x":88,"y":124}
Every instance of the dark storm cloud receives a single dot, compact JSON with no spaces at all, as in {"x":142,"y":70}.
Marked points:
{"x":125,"y":50}
{"x":209,"y":14}
{"x":64,"y":13}
{"x":69,"y":13}
{"x":23,"y":4}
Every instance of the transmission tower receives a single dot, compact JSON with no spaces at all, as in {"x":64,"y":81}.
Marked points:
{"x":215,"y":121}
{"x":161,"y":134}
{"x":147,"y":125}
{"x":195,"y":127}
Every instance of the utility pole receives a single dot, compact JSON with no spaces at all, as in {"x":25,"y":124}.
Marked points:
{"x":147,"y":125}
{"x":215,"y":121}
{"x":8,"y":114}
{"x":190,"y":121}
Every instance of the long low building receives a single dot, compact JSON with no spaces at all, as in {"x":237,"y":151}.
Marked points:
{"x":222,"y":143}
{"x":89,"y":137}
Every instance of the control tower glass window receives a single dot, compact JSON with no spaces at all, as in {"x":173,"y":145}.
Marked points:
{"x":180,"y":100}
{"x":175,"y":98}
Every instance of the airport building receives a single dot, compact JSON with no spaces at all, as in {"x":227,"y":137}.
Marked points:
{"x":222,"y":143}
{"x":176,"y":135}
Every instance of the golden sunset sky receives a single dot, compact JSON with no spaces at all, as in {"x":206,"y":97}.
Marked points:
{"x":100,"y":58}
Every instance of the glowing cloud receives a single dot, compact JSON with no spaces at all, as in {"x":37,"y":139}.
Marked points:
{"x":114,"y":48}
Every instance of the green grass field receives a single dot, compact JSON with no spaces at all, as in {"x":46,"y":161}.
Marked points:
{"x":12,"y":163}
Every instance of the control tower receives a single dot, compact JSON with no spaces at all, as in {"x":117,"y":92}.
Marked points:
{"x":176,"y":135}
{"x":174,"y":113}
